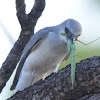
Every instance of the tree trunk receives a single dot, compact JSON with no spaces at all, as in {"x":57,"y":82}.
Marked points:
{"x":57,"y":86}
{"x":27,"y":22}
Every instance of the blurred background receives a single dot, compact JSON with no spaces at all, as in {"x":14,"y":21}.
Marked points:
{"x":87,"y":12}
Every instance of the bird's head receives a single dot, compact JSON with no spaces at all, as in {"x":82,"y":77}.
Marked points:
{"x":72,"y":29}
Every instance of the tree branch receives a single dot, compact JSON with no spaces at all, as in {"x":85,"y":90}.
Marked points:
{"x":27,"y":22}
{"x":91,"y":97}
{"x":58,"y":86}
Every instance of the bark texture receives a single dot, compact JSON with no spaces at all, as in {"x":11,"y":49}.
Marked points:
{"x":27,"y":22}
{"x":57,"y":86}
{"x":91,"y":97}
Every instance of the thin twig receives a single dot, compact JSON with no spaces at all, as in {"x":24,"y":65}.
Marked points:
{"x":89,"y":42}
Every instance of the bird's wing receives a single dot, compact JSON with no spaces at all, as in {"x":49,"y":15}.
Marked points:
{"x":66,"y":57}
{"x":32,"y":44}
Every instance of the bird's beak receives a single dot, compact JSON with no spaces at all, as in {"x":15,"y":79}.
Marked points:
{"x":72,"y":39}
{"x":70,"y":35}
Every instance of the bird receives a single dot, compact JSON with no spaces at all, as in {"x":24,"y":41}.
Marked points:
{"x":44,"y":52}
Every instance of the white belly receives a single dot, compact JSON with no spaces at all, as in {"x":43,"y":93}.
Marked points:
{"x":45,"y":57}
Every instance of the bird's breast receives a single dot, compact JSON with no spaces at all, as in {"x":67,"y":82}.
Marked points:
{"x":47,"y":54}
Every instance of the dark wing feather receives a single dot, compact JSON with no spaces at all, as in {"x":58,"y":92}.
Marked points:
{"x":66,"y":57}
{"x":20,"y":65}
{"x":35,"y":38}
{"x":30,"y":45}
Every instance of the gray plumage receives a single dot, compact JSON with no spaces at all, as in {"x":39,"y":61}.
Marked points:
{"x":45,"y":50}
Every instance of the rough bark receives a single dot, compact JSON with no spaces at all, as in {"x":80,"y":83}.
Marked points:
{"x":27,"y":22}
{"x":57,"y":86}
{"x":91,"y":97}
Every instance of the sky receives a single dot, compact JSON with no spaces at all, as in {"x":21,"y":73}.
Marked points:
{"x":56,"y":11}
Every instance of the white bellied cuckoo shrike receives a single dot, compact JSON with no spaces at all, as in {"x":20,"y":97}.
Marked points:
{"x":44,"y":52}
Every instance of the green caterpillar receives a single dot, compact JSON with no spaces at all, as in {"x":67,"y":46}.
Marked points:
{"x":71,"y":48}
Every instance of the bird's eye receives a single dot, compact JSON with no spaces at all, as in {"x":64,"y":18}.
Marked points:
{"x":67,"y":30}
